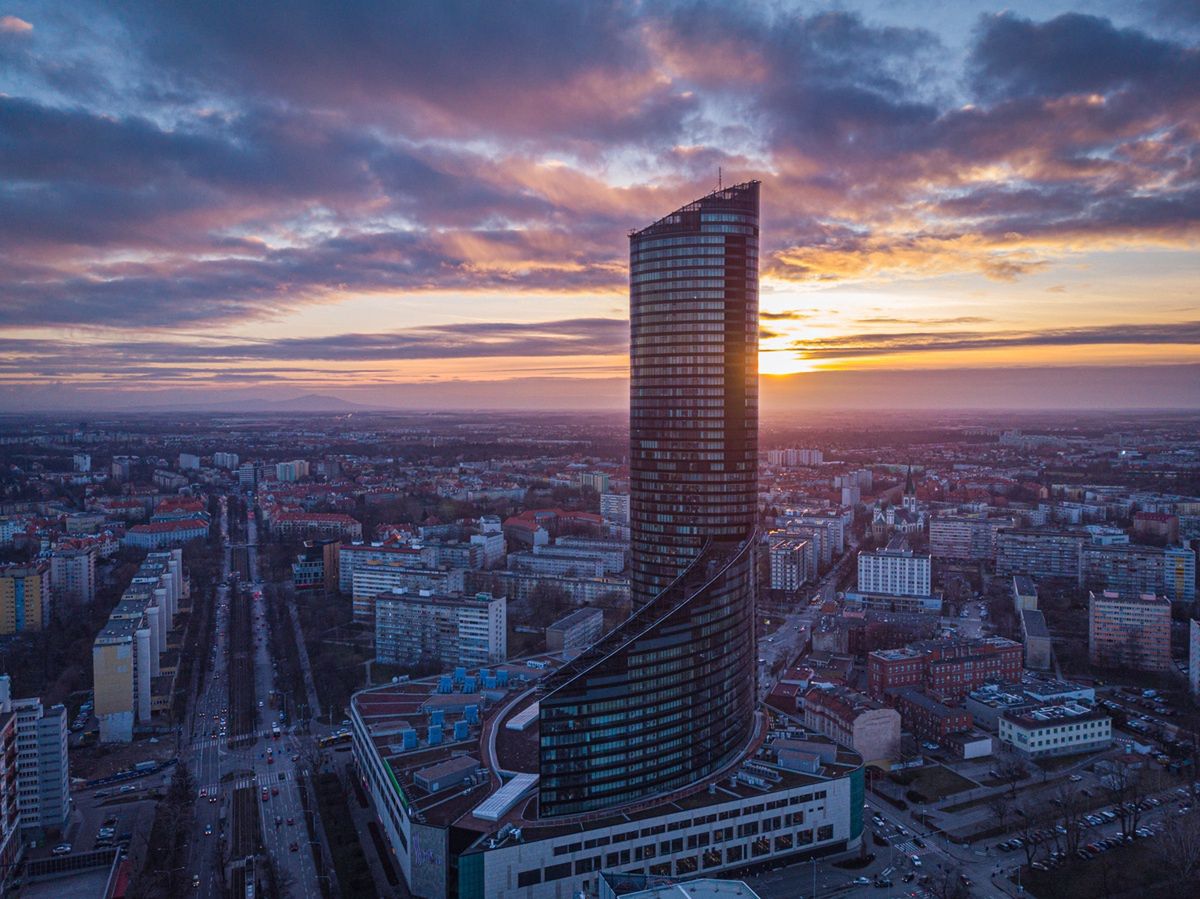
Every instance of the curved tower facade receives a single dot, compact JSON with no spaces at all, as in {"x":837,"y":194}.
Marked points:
{"x":667,"y":697}
{"x":693,"y":406}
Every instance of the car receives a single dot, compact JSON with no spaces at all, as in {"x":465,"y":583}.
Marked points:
{"x":1075,"y":778}
{"x":274,"y":791}
{"x":294,"y":847}
{"x":883,"y":883}
{"x":100,"y":794}
{"x":1006,"y":846}
{"x":916,"y":861}
{"x":291,"y":821}
{"x":860,"y":881}
{"x":918,"y":842}
{"x":208,"y":829}
{"x":62,"y":849}
{"x":195,"y":881}
{"x":128,"y":788}
{"x":278,"y":820}
{"x":212,"y":798}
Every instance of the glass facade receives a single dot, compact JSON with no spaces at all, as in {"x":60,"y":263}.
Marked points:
{"x":664,"y":699}
{"x":693,"y":407}
{"x":668,"y":696}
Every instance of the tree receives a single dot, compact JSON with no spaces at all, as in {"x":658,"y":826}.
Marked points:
{"x":947,"y":883}
{"x":1011,"y":772}
{"x":1178,"y":847}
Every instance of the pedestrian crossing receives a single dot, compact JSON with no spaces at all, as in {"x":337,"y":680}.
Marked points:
{"x":254,"y":780}
{"x":907,"y":847}
{"x":208,"y":742}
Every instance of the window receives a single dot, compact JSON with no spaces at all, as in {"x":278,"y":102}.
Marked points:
{"x":529,"y":878}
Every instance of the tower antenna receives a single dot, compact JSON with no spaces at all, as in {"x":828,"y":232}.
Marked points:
{"x":720,"y":179}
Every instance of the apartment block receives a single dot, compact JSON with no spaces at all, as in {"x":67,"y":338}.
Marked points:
{"x":1129,"y":631}
{"x":1039,"y":552}
{"x":894,"y":571}
{"x":73,"y":574}
{"x":372,"y":578}
{"x":789,"y":560}
{"x":43,"y":794}
{"x":125,"y":654}
{"x":455,"y":631}
{"x":1131,"y":568}
{"x":25,"y":598}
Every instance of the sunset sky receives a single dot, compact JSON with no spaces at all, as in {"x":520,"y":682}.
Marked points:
{"x":207,"y":201}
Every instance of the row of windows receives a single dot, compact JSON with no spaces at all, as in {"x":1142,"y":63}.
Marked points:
{"x":649,"y":243}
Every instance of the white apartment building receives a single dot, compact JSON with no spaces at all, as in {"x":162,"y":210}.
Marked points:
{"x":894,"y":571}
{"x":614,"y":507}
{"x":43,"y":792}
{"x":73,"y":575}
{"x":189,"y":462}
{"x":456,"y":631}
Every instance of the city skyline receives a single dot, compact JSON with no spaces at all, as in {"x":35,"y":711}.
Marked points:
{"x":214,"y":207}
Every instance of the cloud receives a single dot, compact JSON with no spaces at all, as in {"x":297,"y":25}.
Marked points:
{"x":889,"y":344}
{"x":205,"y":359}
{"x":13,"y":25}
{"x":786,"y":316}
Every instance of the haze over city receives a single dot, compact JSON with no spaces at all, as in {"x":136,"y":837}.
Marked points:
{"x":425,"y":206}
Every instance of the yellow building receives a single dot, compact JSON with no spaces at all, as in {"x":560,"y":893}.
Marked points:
{"x":24,"y":598}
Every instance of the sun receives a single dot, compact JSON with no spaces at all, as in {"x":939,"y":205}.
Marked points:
{"x":782,"y":362}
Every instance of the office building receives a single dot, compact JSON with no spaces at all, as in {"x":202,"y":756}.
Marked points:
{"x":594,"y":480}
{"x":693,"y":437}
{"x":1129,"y":631}
{"x":1060,"y":729}
{"x":422,"y":627}
{"x":316,"y":568}
{"x":688,"y":653}
{"x":25,"y":598}
{"x":1039,"y":552}
{"x":482,"y":835}
{"x":854,"y":720}
{"x":575,"y":632}
{"x":894,"y":571}
{"x":73,"y":573}
{"x":43,"y":779}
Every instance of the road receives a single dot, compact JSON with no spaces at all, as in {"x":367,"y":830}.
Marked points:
{"x":264,"y":762}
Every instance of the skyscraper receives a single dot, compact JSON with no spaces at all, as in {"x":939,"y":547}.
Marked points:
{"x":667,"y":697}
{"x":693,"y":407}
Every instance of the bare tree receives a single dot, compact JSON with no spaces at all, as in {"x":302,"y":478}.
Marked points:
{"x":1071,"y":813}
{"x":1011,"y":771}
{"x":1000,"y":805}
{"x":947,"y":883}
{"x":1178,"y":847}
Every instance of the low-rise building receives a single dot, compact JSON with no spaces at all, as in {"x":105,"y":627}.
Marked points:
{"x":854,"y":720}
{"x":575,"y":632}
{"x":926,"y":718}
{"x":162,"y":534}
{"x":1024,"y":591}
{"x":1061,"y":729}
{"x":1037,"y":639}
